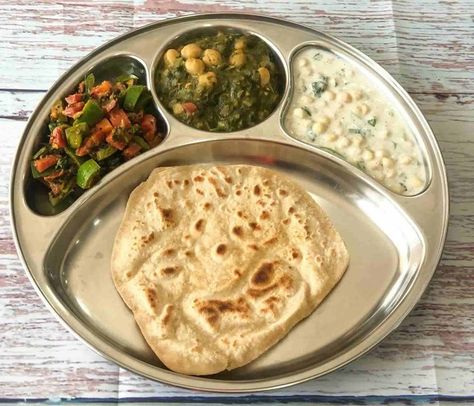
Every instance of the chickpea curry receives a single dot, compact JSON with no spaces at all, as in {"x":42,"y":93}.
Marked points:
{"x":221,"y":82}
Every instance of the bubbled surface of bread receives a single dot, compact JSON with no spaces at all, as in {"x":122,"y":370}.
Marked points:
{"x":218,"y":263}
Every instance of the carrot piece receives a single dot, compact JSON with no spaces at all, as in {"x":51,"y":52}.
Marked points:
{"x":102,"y":90}
{"x":41,"y":164}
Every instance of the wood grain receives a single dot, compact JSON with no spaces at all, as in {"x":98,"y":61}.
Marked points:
{"x":429,"y":49}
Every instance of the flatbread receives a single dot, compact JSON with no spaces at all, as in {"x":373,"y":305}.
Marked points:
{"x":218,"y":263}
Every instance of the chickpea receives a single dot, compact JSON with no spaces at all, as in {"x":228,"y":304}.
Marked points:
{"x":357,"y":94}
{"x":364,"y":108}
{"x":240,"y":44}
{"x":194,"y":66}
{"x":299,"y":112}
{"x":302,"y":62}
{"x":208,"y":79}
{"x":344,"y":142}
{"x":414,"y":182}
{"x":387,"y":162}
{"x":390,"y":173}
{"x":344,"y":97}
{"x":373,"y":164}
{"x":325,"y":120}
{"x":361,"y":109}
{"x":367,"y":155}
{"x":380,"y":153}
{"x":238,"y":58}
{"x":353,"y":152}
{"x":170,"y":56}
{"x":329,"y":95}
{"x":379,"y":176}
{"x":404,"y":160}
{"x":264,"y":76}
{"x":191,"y":51}
{"x":212,"y":57}
{"x":178,"y":108}
{"x":358,"y":140}
{"x":318,"y":128}
{"x":331,"y":137}
{"x":321,"y":125}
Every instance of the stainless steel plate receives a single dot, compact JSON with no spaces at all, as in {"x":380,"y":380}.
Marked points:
{"x":395,"y":242}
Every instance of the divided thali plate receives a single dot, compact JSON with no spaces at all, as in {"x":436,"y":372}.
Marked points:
{"x":395,"y":241}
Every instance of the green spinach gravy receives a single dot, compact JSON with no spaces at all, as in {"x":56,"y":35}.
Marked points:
{"x":222,"y":82}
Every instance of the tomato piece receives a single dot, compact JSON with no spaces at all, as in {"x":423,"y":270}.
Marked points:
{"x":73,"y":109}
{"x":148,"y":124}
{"x":98,"y":134}
{"x":57,"y":139}
{"x":131,"y":151}
{"x":119,"y":144}
{"x":119,"y":118}
{"x":41,"y":164}
{"x":74,"y":98}
{"x":102,"y":90}
{"x":189,"y":107}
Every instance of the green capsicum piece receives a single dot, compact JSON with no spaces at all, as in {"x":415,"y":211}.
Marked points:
{"x":75,"y":134}
{"x":140,"y":141}
{"x":41,"y":151}
{"x":65,"y":192}
{"x":89,"y":82}
{"x":87,"y":174}
{"x":105,"y":152}
{"x":37,"y":175}
{"x":143,"y":101}
{"x":126,"y":77}
{"x":91,"y":114}
{"x":132,"y":95}
{"x":72,"y":155}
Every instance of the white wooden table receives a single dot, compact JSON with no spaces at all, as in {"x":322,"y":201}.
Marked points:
{"x":427,"y":47}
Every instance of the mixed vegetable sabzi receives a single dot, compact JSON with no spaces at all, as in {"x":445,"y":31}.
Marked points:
{"x":93,"y":131}
{"x":221,"y":82}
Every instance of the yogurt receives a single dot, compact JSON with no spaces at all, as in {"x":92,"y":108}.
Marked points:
{"x":335,"y":108}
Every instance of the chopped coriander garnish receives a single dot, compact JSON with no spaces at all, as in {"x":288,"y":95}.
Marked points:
{"x":361,"y":165}
{"x":403,"y":186}
{"x":306,"y":110}
{"x":320,"y":86}
{"x":395,"y":145}
{"x":372,"y":121}
{"x":317,"y":56}
{"x":355,"y":130}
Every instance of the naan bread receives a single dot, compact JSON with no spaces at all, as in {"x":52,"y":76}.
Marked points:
{"x":218,"y":263}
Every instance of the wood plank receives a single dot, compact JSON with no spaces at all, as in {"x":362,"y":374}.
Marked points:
{"x":46,"y":37}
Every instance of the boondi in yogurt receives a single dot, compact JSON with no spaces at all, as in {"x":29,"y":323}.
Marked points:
{"x":335,"y":108}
